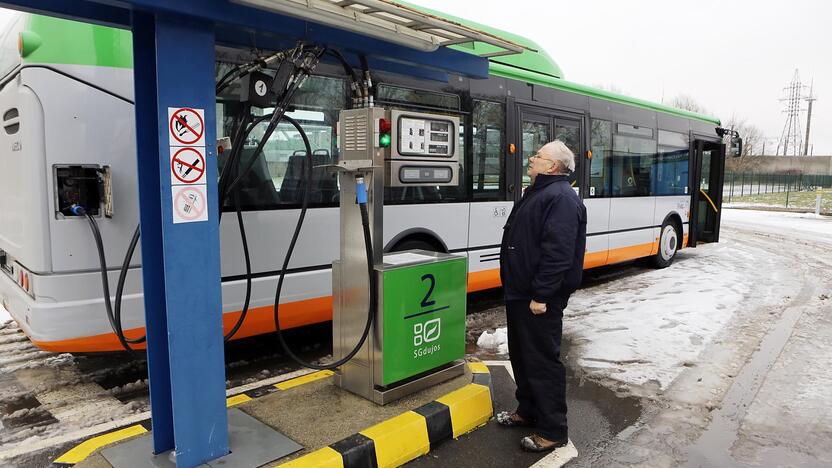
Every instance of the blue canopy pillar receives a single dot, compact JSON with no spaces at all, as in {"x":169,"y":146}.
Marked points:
{"x":177,"y":167}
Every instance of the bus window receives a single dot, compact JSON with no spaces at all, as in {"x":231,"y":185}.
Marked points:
{"x":670,"y":173}
{"x":599,"y":170}
{"x":409,"y":96}
{"x":488,"y":164}
{"x":632,"y":164}
{"x":569,"y":132}
{"x":535,"y":135}
{"x":276,"y":179}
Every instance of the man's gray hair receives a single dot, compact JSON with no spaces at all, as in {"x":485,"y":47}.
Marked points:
{"x":557,"y":151}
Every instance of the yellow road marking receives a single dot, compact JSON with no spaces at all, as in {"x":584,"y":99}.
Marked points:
{"x":478,"y":368}
{"x":291,"y":383}
{"x":324,"y":458}
{"x":84,"y":449}
{"x":236,"y":400}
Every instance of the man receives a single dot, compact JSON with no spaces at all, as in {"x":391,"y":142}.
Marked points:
{"x":541,"y":263}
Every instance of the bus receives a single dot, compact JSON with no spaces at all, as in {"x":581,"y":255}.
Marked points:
{"x":651,"y":177}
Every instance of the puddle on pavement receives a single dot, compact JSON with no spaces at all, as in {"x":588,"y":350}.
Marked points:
{"x":596,"y":413}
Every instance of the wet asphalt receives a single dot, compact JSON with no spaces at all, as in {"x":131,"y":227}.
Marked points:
{"x":595,"y":416}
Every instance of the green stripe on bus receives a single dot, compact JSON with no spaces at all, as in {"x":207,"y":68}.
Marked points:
{"x":76,"y":43}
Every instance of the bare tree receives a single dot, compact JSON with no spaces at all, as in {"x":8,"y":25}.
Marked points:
{"x":611,"y":88}
{"x":688,"y":103}
{"x":752,"y":138}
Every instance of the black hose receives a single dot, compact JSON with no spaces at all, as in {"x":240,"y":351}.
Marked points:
{"x":275,"y":119}
{"x":368,"y":246}
{"x":122,"y":277}
{"x":105,"y":281}
{"x":244,"y":312}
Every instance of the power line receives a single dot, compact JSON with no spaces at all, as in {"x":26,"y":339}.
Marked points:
{"x":790,"y":138}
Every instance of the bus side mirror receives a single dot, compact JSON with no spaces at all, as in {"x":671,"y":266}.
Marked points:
{"x":736,"y":146}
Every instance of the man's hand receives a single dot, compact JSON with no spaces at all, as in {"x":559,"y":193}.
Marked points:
{"x":537,"y":308}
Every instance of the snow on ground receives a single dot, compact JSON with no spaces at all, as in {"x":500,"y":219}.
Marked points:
{"x":804,"y":225}
{"x":647,"y":328}
{"x":4,"y":315}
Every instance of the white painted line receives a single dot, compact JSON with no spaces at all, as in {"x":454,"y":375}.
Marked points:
{"x":269,"y":381}
{"x":558,"y":457}
{"x":506,"y":364}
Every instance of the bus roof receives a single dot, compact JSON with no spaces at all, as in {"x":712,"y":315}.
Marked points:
{"x":110,"y":47}
{"x":536,"y":66}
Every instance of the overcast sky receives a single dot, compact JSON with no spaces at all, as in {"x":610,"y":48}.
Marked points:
{"x":733,"y":57}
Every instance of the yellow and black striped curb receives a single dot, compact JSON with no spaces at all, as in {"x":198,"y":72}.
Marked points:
{"x":411,"y":434}
{"x":83,"y":450}
{"x":387,"y":444}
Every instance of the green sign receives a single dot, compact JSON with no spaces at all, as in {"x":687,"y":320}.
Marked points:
{"x":424,"y":317}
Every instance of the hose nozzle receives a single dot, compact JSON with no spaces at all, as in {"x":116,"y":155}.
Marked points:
{"x":78,"y":210}
{"x":360,"y":190}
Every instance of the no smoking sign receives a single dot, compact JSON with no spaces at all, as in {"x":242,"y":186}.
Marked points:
{"x":187,"y":165}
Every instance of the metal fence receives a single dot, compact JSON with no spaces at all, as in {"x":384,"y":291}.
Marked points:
{"x":781,"y":190}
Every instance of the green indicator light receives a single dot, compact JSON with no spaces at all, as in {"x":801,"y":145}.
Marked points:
{"x":384,"y":140}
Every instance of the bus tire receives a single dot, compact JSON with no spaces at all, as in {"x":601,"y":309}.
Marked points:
{"x":669,"y":243}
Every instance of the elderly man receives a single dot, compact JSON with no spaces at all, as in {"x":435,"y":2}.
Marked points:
{"x":541,"y":263}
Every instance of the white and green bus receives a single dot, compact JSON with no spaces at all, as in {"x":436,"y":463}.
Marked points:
{"x":650,"y":176}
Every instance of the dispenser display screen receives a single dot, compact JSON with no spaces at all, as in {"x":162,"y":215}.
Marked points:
{"x":418,"y":137}
{"x":425,"y":174}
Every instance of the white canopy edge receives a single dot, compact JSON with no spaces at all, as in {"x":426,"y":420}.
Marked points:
{"x":389,"y":21}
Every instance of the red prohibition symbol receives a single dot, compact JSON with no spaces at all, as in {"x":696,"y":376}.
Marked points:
{"x":187,"y":165}
{"x":189,"y":204}
{"x":186,"y":126}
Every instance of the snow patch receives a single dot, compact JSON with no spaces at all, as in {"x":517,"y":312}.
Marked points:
{"x":495,"y":341}
{"x":5,"y":316}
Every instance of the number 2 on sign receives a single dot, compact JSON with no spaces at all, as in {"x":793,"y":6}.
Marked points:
{"x":427,"y":302}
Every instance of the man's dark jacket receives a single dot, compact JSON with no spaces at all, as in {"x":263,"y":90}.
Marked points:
{"x":544,"y":242}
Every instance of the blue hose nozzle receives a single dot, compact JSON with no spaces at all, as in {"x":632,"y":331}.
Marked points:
{"x":360,"y":191}
{"x":78,"y":210}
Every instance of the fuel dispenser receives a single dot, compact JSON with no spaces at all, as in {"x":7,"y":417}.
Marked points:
{"x":417,"y":337}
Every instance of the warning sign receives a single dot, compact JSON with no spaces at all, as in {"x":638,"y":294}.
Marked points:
{"x":187,"y":126}
{"x":190,"y":203}
{"x":187,"y":165}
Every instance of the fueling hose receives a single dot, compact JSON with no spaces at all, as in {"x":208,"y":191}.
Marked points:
{"x":105,"y":281}
{"x":361,"y":198}
{"x":230,"y":168}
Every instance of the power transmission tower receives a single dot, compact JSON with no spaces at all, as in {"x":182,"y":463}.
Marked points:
{"x":790,"y":138}
{"x":810,"y":99}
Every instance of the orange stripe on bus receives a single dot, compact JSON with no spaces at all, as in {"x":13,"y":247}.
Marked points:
{"x":260,"y":320}
{"x":486,"y":279}
{"x":595,"y":259}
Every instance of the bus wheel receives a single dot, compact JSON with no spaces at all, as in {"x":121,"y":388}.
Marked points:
{"x":668,"y":245}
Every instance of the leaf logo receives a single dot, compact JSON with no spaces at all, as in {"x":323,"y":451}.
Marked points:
{"x":432,"y":329}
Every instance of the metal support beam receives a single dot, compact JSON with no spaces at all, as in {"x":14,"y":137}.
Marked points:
{"x":174,"y":66}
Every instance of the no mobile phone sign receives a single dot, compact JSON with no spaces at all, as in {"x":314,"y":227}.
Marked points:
{"x":190,"y":203}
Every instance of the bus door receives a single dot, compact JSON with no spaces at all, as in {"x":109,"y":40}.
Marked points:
{"x":708,"y":176}
{"x":540,"y":126}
